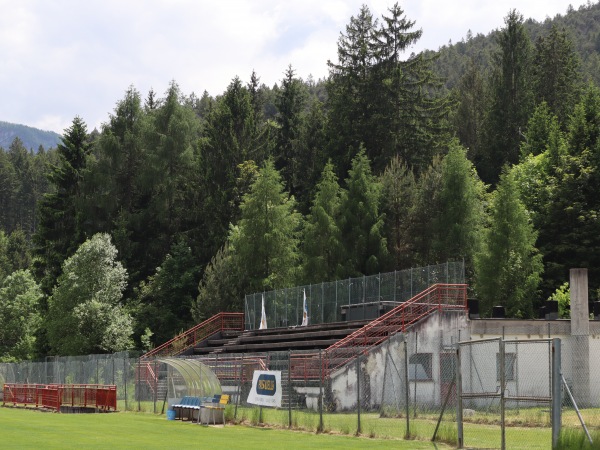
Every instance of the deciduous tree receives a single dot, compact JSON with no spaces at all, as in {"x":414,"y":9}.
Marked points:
{"x":87,"y":301}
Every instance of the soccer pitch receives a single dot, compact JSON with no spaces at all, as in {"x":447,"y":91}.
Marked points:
{"x":20,"y":428}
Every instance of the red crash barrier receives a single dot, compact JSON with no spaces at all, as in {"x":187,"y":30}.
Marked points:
{"x":53,"y":396}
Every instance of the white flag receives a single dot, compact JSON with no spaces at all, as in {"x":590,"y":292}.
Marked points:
{"x":263,"y":316}
{"x":304,"y":311}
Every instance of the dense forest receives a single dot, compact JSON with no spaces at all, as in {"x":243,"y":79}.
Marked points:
{"x":487,"y":151}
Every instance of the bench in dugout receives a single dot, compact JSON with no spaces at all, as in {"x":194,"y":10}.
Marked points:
{"x":187,"y":406}
{"x":215,"y":406}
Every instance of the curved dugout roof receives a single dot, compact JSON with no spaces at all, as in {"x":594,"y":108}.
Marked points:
{"x":200,"y":380}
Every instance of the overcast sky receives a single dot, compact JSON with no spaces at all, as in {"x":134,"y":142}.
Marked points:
{"x":62,"y":58}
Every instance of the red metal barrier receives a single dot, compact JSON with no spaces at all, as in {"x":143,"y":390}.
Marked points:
{"x":53,"y":396}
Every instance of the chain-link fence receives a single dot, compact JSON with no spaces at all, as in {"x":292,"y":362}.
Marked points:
{"x":118,"y":369}
{"x":406,"y":386}
{"x":350,"y":299}
{"x":508,"y":382}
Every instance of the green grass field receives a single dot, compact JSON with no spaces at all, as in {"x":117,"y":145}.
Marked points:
{"x":21,"y":428}
{"x":28,"y":428}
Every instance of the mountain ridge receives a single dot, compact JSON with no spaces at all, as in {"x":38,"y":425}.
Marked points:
{"x":31,"y":137}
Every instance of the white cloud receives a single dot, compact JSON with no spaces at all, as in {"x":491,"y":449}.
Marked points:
{"x":65,"y":58}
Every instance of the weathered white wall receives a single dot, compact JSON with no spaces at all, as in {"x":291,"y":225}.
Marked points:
{"x":437,"y":333}
{"x":440,"y":332}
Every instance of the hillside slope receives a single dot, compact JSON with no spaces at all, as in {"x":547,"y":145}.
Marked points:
{"x":31,"y":137}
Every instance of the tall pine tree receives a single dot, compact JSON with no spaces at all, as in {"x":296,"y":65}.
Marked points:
{"x":511,"y":98}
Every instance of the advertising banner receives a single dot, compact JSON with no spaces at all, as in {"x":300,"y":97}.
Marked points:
{"x":266,"y":388}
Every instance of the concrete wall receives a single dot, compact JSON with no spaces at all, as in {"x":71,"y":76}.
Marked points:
{"x":382,"y":371}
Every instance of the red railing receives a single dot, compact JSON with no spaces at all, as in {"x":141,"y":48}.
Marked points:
{"x":230,"y":368}
{"x":436,"y":298}
{"x":54,"y":396}
{"x":181,"y":343}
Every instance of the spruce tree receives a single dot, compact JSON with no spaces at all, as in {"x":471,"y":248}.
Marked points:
{"x":322,"y":248}
{"x":508,"y":269}
{"x":460,"y":218}
{"x":568,"y":221}
{"x":291,"y":103}
{"x":382,"y":100}
{"x":266,"y":239}
{"x":511,"y":98}
{"x":555,"y":71}
{"x":361,"y":221}
{"x":60,"y":231}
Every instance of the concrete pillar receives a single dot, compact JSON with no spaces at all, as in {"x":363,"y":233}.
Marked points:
{"x":580,"y":331}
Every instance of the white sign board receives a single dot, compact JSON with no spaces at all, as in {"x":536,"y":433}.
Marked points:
{"x":266,"y":388}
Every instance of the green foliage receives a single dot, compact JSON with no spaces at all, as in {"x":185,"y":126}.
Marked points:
{"x":470,"y":112}
{"x":166,"y":297}
{"x":146,"y":340}
{"x":266,"y":239}
{"x":511,"y":97}
{"x":379,"y":99}
{"x":361,"y":221}
{"x":230,"y":134}
{"x":556,"y":74}
{"x":323,"y":250}
{"x":290,"y":122}
{"x":459,"y":220}
{"x":398,"y":197}
{"x":59,"y":230}
{"x":87,"y":302}
{"x":509,"y":267}
{"x":22,"y":183}
{"x":20,"y":297}
{"x":422,"y":214}
{"x":220,"y":288}
{"x":567,"y":218}
{"x":563,"y":296}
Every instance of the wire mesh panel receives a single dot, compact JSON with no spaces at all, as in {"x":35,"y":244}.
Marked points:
{"x":480,"y":385}
{"x":507,"y":382}
{"x":359,"y":298}
{"x":581,"y":395}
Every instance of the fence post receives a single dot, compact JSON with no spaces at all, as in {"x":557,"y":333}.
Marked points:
{"x":125,"y":380}
{"x":139,"y":388}
{"x":155,"y":386}
{"x":556,"y":391}
{"x":459,"y":404}
{"x":406,"y":387}
{"x":358,"y":430}
{"x":289,"y":389}
{"x":239,"y":390}
{"x":502,"y":389}
{"x":320,"y":392}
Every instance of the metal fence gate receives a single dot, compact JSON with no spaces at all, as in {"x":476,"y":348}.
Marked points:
{"x":518,"y":381}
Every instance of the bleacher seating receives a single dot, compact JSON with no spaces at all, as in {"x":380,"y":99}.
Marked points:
{"x":310,"y":337}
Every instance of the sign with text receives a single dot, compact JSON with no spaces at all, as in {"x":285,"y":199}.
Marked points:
{"x":266,"y":388}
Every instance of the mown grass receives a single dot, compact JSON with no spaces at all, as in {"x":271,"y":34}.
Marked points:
{"x":25,"y":428}
{"x":476,"y":435}
{"x":20,"y":428}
